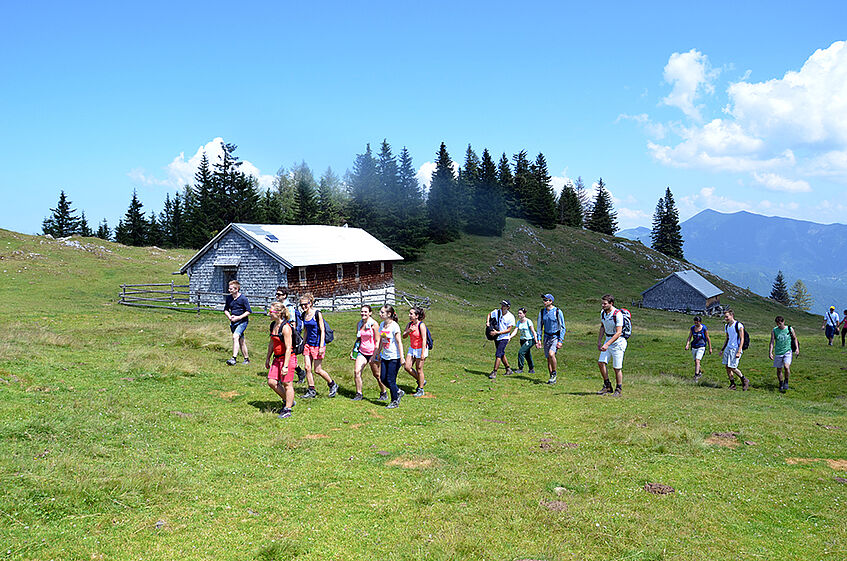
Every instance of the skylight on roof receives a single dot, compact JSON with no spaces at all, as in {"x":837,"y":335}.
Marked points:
{"x":271,"y":238}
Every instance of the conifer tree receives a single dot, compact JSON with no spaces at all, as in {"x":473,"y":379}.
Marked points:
{"x":541,"y":202}
{"x":155,"y":231}
{"x":306,"y":194}
{"x":779,"y":290}
{"x":487,"y":216}
{"x":570,"y":208}
{"x":202,"y":206}
{"x":507,"y":186}
{"x":330,"y":210}
{"x":522,"y":186}
{"x":363,"y":184}
{"x":413,"y":235}
{"x":666,"y":235}
{"x":285,"y":197}
{"x":584,"y":198}
{"x":84,"y":228}
{"x":800,"y":297}
{"x":103,"y":231}
{"x":132,"y":229}
{"x":445,"y":221}
{"x":62,"y":221}
{"x":603,"y":218}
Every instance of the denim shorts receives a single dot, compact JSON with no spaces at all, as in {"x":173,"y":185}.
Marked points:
{"x":239,"y":328}
{"x":500,"y":352}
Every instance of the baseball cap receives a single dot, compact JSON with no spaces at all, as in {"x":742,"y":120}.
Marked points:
{"x":505,"y":303}
{"x":547,"y":296}
{"x":832,"y":307}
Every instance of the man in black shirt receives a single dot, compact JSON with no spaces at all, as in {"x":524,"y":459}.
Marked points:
{"x":236,"y":309}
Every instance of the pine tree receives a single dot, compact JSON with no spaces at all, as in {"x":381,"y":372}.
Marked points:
{"x":413,"y":235}
{"x":541,"y":202}
{"x":584,"y":199}
{"x":363,"y":184}
{"x":63,"y":220}
{"x":201,"y":206}
{"x":155,"y":232}
{"x":487,"y":216}
{"x":570,"y":208}
{"x":103,"y":231}
{"x":445,"y":221}
{"x":330,"y":209}
{"x":132,"y":229}
{"x":603,"y":218}
{"x":469,"y":180}
{"x":306,"y":194}
{"x":84,"y":228}
{"x":522,"y":185}
{"x":658,"y":235}
{"x":800,"y":297}
{"x":779,"y":291}
{"x":507,"y":186}
{"x":285,"y":197}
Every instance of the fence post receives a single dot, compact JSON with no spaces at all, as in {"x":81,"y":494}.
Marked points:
{"x":123,"y":293}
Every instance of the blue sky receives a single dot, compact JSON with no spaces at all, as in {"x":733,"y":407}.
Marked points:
{"x":737,"y":105}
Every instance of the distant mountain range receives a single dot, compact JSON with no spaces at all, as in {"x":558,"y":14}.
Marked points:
{"x":748,"y":249}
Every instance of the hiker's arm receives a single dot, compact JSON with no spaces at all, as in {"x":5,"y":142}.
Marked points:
{"x":688,"y":341}
{"x":740,"y":341}
{"x":320,"y":318}
{"x":709,"y":340}
{"x":562,"y":330}
{"x":600,"y":336}
{"x":770,"y":347}
{"x":796,"y":342}
{"x":270,"y":352}
{"x":286,"y":336}
{"x":615,"y":337}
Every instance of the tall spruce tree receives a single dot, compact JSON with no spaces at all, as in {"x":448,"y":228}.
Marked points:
{"x":132,"y":229}
{"x":445,"y":221}
{"x":487,"y":216}
{"x":103,"y":231}
{"x":63,"y":220}
{"x":541,"y":202}
{"x":331,"y":203}
{"x":523,"y":183}
{"x":84,"y":228}
{"x":363,"y":186}
{"x":469,"y":180}
{"x":202,"y":207}
{"x":666,"y":235}
{"x":570,"y":208}
{"x":506,"y":180}
{"x":584,"y":198}
{"x":413,"y":235}
{"x":603,"y":217}
{"x":800,"y":297}
{"x":779,"y":290}
{"x":285,"y":196}
{"x":305,"y":189}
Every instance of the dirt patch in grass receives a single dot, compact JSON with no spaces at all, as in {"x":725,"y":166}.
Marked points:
{"x":828,"y":427}
{"x":555,"y":506}
{"x":411,"y":463}
{"x":726,"y":439}
{"x":315,"y":436}
{"x":548,"y":444}
{"x":225,"y":395}
{"x":183,"y":415}
{"x":836,"y":464}
{"x":357,"y":425}
{"x":659,"y":488}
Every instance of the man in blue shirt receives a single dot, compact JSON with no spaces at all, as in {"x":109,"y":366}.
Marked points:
{"x":236,"y":310}
{"x":552,"y":323}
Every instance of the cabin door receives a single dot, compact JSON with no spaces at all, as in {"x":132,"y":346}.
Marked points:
{"x":230,"y":274}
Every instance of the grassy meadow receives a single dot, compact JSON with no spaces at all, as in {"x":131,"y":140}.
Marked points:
{"x":123,"y":435}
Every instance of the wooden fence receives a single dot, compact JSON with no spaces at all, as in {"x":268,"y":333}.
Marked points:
{"x":177,"y":297}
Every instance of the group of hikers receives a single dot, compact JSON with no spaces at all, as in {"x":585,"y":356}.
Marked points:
{"x":379,"y":345}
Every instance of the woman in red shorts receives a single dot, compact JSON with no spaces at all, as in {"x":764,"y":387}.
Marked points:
{"x":281,"y":369}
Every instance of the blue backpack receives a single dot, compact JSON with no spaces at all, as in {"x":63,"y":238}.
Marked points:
{"x":430,"y":343}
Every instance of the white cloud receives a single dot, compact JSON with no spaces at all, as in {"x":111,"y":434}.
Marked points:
{"x":559,"y":181}
{"x":690,"y":75}
{"x":181,"y":171}
{"x":632,"y":218}
{"x":776,"y":182}
{"x":426,"y":170}
{"x":653,"y":129}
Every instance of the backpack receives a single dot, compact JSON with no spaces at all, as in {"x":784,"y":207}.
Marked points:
{"x":793,"y":339}
{"x":329,"y":334}
{"x":297,"y":341}
{"x":430,"y":343}
{"x":557,"y":311}
{"x":626,"y":330}
{"x":746,"y":343}
{"x":493,"y":325}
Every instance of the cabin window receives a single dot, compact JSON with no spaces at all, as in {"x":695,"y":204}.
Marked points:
{"x":339,"y":272}
{"x":381,"y":267}
{"x":302,"y":276}
{"x":357,"y":271}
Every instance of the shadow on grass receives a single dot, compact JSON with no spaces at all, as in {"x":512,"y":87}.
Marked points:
{"x":580,"y":394}
{"x":478,"y":372}
{"x":535,"y":381}
{"x":267,"y":406}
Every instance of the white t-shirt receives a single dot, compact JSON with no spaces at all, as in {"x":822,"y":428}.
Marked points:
{"x":733,"y":341}
{"x":389,"y":341}
{"x":507,"y":322}
{"x":831,"y":318}
{"x":610,"y":324}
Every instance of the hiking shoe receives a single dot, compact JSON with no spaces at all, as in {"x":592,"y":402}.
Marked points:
{"x":357,"y":397}
{"x":286,"y":413}
{"x":246,"y":361}
{"x":745,"y":384}
{"x":518,"y":371}
{"x":400,"y":394}
{"x":532,"y":370}
{"x":310,"y":393}
{"x":732,"y":385}
{"x":418,"y":392}
{"x":618,"y":391}
{"x":231,"y":362}
{"x":552,"y":379}
{"x":508,"y":372}
{"x":393,"y":405}
{"x":605,"y":390}
{"x":333,"y":389}
{"x":786,"y":385}
{"x":698,"y":376}
{"x":383,"y":396}
{"x":493,"y":375}
{"x":782,"y":387}
{"x":301,"y":375}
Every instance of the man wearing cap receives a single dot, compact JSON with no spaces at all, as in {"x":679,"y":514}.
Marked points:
{"x":830,"y":323}
{"x":505,"y":322}
{"x":552,"y":323}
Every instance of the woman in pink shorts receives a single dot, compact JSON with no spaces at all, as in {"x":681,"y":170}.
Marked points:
{"x":363,"y":353}
{"x":416,"y":332}
{"x":314,"y":350}
{"x":281,"y":369}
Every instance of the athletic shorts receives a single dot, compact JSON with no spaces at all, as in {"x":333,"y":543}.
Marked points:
{"x":276,"y":373}
{"x":238,"y":328}
{"x":500,"y":351}
{"x":781,"y":361}
{"x":830,"y":331}
{"x":418,"y":353}
{"x":729,"y":359}
{"x":614,"y":353}
{"x":315,"y":353}
{"x":550,"y":343}
{"x":364,"y":356}
{"x":698,"y":352}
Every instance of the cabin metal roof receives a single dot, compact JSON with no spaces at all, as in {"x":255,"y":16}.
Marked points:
{"x":303,"y":246}
{"x":693,"y":279}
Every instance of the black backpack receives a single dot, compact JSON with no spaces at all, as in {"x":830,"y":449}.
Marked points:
{"x":746,"y":343}
{"x":793,"y":339}
{"x":297,"y":342}
{"x":493,"y":325}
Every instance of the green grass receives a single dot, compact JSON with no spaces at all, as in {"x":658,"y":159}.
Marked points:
{"x":124,"y":436}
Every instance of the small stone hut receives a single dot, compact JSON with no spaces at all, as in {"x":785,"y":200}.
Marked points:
{"x":328,"y":261}
{"x":683,"y":291}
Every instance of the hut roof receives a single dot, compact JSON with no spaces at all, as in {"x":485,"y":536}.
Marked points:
{"x":301,"y":246}
{"x":694,"y":280}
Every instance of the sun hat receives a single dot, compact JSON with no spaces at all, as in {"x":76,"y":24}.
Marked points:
{"x":547,"y":296}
